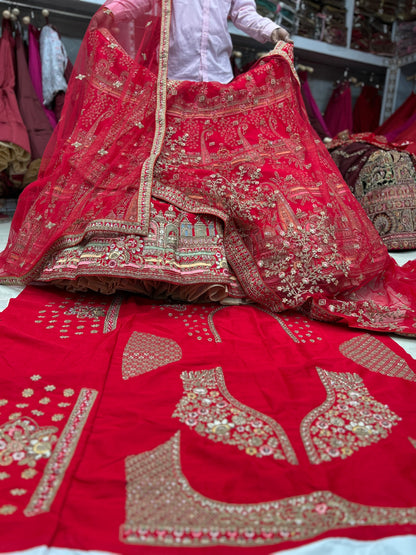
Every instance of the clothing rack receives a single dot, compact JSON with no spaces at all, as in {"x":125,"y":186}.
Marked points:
{"x":51,"y":11}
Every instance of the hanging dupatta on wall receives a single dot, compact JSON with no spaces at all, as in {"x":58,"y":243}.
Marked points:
{"x":198,"y":190}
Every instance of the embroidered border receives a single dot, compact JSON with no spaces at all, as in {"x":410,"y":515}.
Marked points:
{"x":348,"y":420}
{"x":146,"y":178}
{"x":156,"y":484}
{"x":57,"y":465}
{"x":209,"y":408}
{"x":111,"y":318}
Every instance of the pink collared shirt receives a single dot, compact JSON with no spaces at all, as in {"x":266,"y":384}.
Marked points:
{"x":200,"y":44}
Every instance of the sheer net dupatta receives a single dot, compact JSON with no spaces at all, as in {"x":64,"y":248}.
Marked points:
{"x":96,"y":174}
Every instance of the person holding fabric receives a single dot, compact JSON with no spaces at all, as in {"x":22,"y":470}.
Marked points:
{"x":176,"y":187}
{"x":200,"y":45}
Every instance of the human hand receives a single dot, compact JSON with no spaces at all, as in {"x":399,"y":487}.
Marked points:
{"x":280,"y":34}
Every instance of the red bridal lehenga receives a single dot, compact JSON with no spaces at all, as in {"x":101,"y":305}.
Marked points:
{"x":198,"y":191}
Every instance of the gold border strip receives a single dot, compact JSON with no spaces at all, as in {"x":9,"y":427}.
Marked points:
{"x":57,"y":466}
{"x":146,"y":177}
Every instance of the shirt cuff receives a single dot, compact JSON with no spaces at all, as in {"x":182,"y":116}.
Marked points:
{"x":268,"y":30}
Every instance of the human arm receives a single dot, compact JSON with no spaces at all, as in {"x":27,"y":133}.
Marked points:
{"x":280,"y":34}
{"x":244,"y":16}
{"x":128,"y":9}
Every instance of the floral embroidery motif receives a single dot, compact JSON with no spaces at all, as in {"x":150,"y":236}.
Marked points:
{"x":29,"y":473}
{"x":412,"y":441}
{"x":7,"y":509}
{"x":79,"y":315}
{"x":306,"y":259}
{"x":145,"y":352}
{"x":367,"y":313}
{"x":156,"y":483}
{"x":348,"y":420}
{"x":18,"y":491}
{"x":208,"y":408}
{"x":59,"y":461}
{"x":36,"y":453}
{"x":85,"y":311}
{"x":24,"y":442}
{"x":370,"y":352}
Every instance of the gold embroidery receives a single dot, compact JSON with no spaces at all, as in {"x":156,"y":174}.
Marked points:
{"x":367,"y":313}
{"x":146,"y":177}
{"x":24,"y":442}
{"x":208,"y":408}
{"x":29,"y":473}
{"x":7,"y":509}
{"x":27,"y":392}
{"x":111,"y":317}
{"x":374,"y":355}
{"x":305,"y":259}
{"x":156,"y":484}
{"x":197,"y":320}
{"x":85,"y":311}
{"x":145,"y":352}
{"x":412,"y":441}
{"x":180,"y":250}
{"x":16,"y":492}
{"x":299,"y":329}
{"x":78,"y":315}
{"x":58,"y":463}
{"x":348,"y":420}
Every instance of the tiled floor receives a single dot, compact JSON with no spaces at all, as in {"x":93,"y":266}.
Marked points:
{"x":7,"y":293}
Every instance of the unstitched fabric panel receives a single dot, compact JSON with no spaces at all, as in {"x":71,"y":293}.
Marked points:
{"x":131,"y":426}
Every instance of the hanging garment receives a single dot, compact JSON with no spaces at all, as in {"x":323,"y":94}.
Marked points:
{"x":399,"y":117}
{"x":58,"y":102}
{"x":35,"y":70}
{"x":338,"y":113}
{"x":315,"y":117}
{"x":36,"y":122}
{"x":367,"y":108}
{"x":200,"y":186}
{"x":14,"y":140}
{"x":53,"y":60}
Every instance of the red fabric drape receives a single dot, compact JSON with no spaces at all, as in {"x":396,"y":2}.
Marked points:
{"x":399,"y":117}
{"x":242,"y":153}
{"x":367,"y":108}
{"x":36,"y":122}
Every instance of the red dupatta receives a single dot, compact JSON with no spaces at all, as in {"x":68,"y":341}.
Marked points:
{"x":106,"y":142}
